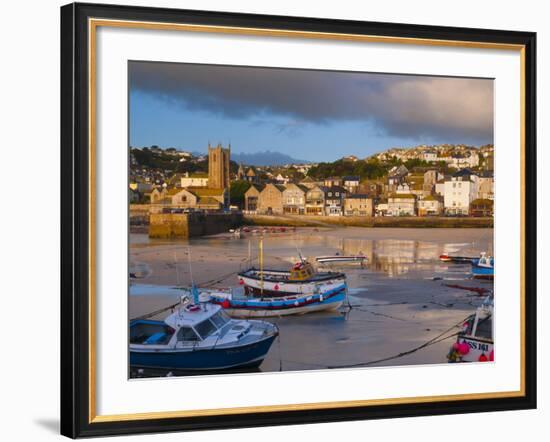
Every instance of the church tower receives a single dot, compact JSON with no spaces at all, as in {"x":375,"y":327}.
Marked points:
{"x":218,"y":167}
{"x":240,"y":173}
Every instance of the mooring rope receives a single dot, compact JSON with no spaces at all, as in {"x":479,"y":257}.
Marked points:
{"x":440,"y":337}
{"x":156,"y":312}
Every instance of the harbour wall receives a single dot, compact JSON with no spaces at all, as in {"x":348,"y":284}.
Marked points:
{"x":364,"y":221}
{"x":187,"y":225}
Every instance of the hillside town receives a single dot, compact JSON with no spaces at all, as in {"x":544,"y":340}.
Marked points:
{"x":444,"y":180}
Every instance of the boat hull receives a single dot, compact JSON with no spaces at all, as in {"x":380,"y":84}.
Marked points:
{"x":477,"y":348}
{"x":456,"y":259}
{"x":483,"y":272}
{"x":248,"y":355}
{"x":280,"y":306}
{"x":276,"y":283}
{"x":340,"y":259}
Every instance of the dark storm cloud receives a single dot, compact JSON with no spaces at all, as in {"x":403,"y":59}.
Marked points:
{"x":400,"y":105}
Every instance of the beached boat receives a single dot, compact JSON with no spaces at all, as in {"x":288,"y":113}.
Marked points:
{"x":301,"y":279}
{"x":483,"y":267}
{"x":199,"y":337}
{"x":475,"y":342}
{"x":278,"y":292}
{"x":456,"y":259}
{"x":328,"y":259}
{"x":239,"y":305}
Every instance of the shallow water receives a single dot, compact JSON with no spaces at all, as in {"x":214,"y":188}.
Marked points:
{"x":397,"y":301}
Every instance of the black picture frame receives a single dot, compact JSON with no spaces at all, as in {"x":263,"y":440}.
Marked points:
{"x":75,"y":220}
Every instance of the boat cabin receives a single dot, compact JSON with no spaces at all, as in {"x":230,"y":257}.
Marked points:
{"x":191,"y":324}
{"x":485,"y":261}
{"x":301,"y":271}
{"x":479,"y":325}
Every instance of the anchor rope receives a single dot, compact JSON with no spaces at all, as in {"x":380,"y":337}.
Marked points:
{"x":440,"y":337}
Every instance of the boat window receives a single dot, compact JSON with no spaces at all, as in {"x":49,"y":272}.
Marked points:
{"x":187,"y":334}
{"x":219,"y":319}
{"x":205,"y":329}
{"x":485,"y":327}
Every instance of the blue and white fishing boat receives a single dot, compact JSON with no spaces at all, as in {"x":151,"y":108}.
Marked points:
{"x":199,"y":337}
{"x":239,"y":305}
{"x":483,"y":267}
{"x":268,"y":293}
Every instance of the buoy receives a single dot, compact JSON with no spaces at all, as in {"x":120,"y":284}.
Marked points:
{"x":226,"y":303}
{"x":241,"y":282}
{"x":492,"y":356}
{"x":276,"y":287}
{"x":483,"y":358}
{"x":463,"y":348}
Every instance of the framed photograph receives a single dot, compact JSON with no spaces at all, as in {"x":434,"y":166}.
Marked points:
{"x":274,"y":220}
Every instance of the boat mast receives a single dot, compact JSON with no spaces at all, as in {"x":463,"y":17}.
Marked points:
{"x":177,"y":270}
{"x":261,"y":245}
{"x":194,"y":290}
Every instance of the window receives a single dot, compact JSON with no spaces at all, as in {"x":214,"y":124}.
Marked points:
{"x":187,"y":334}
{"x":454,"y":185}
{"x":205,"y":329}
{"x":337,"y":193}
{"x":220,"y":319}
{"x":184,"y":198}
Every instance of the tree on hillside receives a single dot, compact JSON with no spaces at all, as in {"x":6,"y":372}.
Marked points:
{"x":237,"y":191}
{"x":370,"y":169}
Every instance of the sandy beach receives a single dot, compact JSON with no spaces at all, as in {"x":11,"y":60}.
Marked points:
{"x":397,"y":302}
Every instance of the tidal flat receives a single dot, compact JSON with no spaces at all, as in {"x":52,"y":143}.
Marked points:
{"x":397,"y":302}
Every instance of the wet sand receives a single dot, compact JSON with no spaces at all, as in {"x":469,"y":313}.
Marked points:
{"x":397,"y":302}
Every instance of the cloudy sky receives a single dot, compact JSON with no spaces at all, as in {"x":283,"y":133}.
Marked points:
{"x":311,"y":115}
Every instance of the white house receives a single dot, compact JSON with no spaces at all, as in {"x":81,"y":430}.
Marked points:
{"x":429,"y":156}
{"x":439,"y":188}
{"x":284,"y":180}
{"x":463,"y":161}
{"x":460,"y":190}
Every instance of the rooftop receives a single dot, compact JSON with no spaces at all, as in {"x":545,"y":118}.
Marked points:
{"x":358,"y":196}
{"x":405,"y":196}
{"x":430,"y":198}
{"x":258,"y":187}
{"x":336,"y":189}
{"x":205,"y":191}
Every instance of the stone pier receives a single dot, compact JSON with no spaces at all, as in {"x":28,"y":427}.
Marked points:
{"x":187,"y":225}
